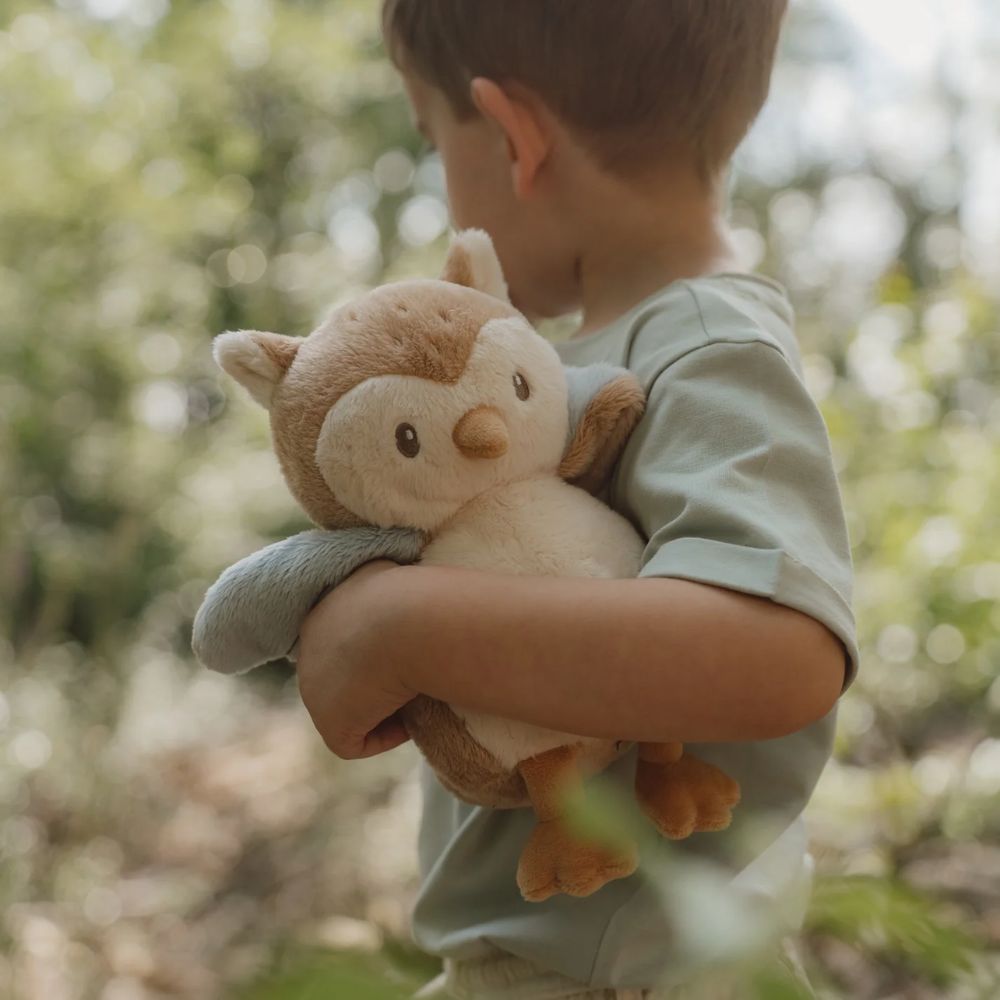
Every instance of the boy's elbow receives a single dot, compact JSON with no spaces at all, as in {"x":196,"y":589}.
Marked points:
{"x":815,"y":683}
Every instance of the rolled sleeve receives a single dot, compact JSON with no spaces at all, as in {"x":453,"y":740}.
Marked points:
{"x":730,"y":478}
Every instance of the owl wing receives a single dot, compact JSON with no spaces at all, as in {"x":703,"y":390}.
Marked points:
{"x":605,"y":404}
{"x":252,"y":613}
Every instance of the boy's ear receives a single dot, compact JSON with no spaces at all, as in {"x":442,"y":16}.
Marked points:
{"x":257,"y":360}
{"x":473,"y":262}
{"x":603,"y":428}
{"x":526,"y":126}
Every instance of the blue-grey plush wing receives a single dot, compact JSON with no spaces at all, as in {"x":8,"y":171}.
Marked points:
{"x":252,"y":613}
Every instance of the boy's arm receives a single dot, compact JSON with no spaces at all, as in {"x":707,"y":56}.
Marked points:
{"x":728,"y":633}
{"x":643,"y":659}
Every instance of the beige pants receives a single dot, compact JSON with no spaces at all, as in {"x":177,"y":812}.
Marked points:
{"x":501,"y":976}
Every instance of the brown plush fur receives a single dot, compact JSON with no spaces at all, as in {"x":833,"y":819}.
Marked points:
{"x":280,"y":350}
{"x":468,"y":770}
{"x":361,"y":341}
{"x":458,"y":269}
{"x":610,"y":419}
{"x":463,"y":766}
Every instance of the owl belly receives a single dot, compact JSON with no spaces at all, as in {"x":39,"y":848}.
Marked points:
{"x":541,"y":527}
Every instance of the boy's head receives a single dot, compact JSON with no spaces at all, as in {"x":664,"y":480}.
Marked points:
{"x":632,"y":88}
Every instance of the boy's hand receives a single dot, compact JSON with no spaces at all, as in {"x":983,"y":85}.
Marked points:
{"x":348,"y":677}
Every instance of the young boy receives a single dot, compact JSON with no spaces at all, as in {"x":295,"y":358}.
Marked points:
{"x":591,"y":140}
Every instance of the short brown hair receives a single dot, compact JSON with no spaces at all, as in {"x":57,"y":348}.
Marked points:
{"x":635,"y":79}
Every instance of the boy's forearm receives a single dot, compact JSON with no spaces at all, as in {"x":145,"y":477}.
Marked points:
{"x":641,"y":659}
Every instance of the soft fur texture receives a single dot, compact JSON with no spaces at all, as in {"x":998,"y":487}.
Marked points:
{"x":252,"y":613}
{"x":428,"y":417}
{"x":356,"y":450}
{"x":474,"y":263}
{"x":556,"y":859}
{"x":594,"y":451}
{"x":256,"y":360}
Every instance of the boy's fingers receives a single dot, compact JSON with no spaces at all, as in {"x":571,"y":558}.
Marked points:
{"x":387,"y":735}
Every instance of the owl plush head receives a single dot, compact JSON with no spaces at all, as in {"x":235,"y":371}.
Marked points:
{"x":417,"y":397}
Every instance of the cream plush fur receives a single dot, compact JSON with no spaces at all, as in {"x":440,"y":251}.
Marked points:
{"x":357,"y":454}
{"x":433,"y":405}
{"x":543,"y":527}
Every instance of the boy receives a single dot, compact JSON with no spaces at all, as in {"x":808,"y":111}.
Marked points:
{"x":591,"y":140}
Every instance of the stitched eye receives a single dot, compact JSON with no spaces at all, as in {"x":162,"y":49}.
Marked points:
{"x":521,"y":386}
{"x":407,"y":441}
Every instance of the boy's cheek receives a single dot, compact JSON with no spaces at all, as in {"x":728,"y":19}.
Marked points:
{"x":471,"y":203}
{"x":480,"y":196}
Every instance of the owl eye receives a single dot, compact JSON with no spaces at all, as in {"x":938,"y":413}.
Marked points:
{"x":521,"y":386}
{"x":407,"y":441}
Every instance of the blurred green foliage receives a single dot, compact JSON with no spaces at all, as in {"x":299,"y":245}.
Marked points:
{"x":171,"y":170}
{"x":305,"y":976}
{"x":891,"y":916}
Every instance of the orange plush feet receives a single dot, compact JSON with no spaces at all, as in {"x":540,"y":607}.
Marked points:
{"x":557,"y":859}
{"x":684,"y":796}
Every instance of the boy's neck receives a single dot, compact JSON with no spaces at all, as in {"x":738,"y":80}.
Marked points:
{"x":639,"y":237}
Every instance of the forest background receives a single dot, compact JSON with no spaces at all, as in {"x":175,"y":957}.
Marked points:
{"x":172,"y":170}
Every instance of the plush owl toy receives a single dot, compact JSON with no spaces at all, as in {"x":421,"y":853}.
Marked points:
{"x":427,"y":421}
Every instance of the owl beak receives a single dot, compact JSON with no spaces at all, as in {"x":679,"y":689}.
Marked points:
{"x":481,"y":433}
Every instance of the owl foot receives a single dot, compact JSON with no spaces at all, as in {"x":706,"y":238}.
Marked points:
{"x":557,"y":859}
{"x":685,"y":797}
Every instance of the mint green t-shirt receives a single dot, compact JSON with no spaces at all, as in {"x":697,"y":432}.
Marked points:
{"x":730,"y":478}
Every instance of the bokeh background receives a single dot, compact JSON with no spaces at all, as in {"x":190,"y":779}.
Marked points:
{"x":169,"y":170}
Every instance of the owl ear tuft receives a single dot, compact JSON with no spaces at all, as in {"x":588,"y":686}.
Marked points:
{"x":473,"y":262}
{"x":257,"y":360}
